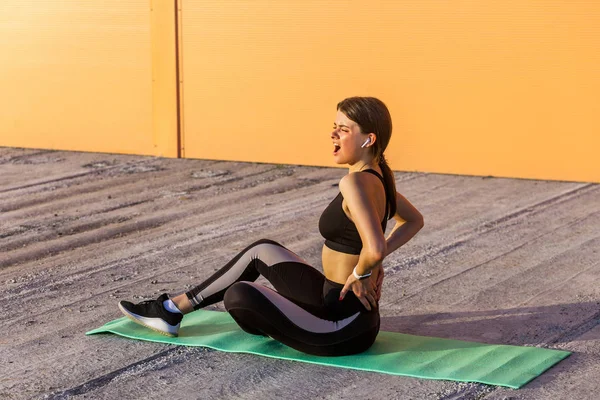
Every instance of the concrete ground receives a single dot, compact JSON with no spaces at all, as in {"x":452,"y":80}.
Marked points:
{"x":499,"y":260}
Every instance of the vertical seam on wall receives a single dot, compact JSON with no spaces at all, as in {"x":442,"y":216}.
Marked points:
{"x":178,"y":77}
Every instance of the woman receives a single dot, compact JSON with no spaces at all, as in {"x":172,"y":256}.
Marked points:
{"x":331,"y":314}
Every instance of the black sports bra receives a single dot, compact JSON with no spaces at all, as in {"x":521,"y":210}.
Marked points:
{"x":339,"y":231}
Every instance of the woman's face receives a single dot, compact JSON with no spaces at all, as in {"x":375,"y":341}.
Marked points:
{"x":347,"y":139}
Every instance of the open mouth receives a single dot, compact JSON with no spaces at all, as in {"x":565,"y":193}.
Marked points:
{"x":336,"y":148}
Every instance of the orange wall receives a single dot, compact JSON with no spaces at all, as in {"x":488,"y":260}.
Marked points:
{"x":474,"y":87}
{"x":81,"y":75}
{"x":505,"y":89}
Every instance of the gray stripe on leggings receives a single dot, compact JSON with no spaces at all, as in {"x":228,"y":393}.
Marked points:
{"x":268,"y":253}
{"x":300,"y":316}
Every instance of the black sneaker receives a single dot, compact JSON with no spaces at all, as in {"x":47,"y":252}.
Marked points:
{"x":152,"y":314}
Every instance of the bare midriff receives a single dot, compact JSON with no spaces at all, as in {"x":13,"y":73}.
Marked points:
{"x":337,"y":266}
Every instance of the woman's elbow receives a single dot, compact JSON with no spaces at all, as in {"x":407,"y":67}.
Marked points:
{"x":419,"y":221}
{"x":377,"y":253}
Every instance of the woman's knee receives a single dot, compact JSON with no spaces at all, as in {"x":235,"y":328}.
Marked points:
{"x":239,"y":302}
{"x":239,"y":295}
{"x":265,"y":241}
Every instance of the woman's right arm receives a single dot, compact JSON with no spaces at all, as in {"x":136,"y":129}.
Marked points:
{"x":409,"y":221}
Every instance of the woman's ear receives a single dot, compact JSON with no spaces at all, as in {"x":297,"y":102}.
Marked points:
{"x":373,"y":138}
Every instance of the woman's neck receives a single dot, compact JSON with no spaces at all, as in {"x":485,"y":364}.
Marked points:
{"x":361,"y":166}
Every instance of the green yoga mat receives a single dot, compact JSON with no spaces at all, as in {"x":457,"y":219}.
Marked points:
{"x":392,"y":353}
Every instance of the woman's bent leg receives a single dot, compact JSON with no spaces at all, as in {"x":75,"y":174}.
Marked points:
{"x":285,"y":270}
{"x":260,"y":310}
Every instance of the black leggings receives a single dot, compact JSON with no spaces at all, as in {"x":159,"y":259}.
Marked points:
{"x":304,"y":313}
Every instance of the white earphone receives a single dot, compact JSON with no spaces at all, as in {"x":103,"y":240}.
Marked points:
{"x":366,"y":142}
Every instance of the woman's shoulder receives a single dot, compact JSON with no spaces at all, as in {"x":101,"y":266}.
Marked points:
{"x":358,"y":180}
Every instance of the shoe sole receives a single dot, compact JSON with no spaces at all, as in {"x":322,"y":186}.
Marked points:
{"x":140,"y":322}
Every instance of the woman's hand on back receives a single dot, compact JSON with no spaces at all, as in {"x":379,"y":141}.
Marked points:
{"x":364,"y":289}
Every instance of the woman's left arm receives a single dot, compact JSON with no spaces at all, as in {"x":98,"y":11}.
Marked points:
{"x":409,"y":221}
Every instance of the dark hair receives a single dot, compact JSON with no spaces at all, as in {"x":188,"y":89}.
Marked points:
{"x":372,"y":115}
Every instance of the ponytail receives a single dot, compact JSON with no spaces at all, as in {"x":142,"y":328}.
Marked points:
{"x":390,"y":186}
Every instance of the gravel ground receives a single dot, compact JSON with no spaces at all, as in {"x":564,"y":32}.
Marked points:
{"x":507,"y":261}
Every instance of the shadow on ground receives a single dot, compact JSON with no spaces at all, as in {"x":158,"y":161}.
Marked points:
{"x":516,"y":326}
